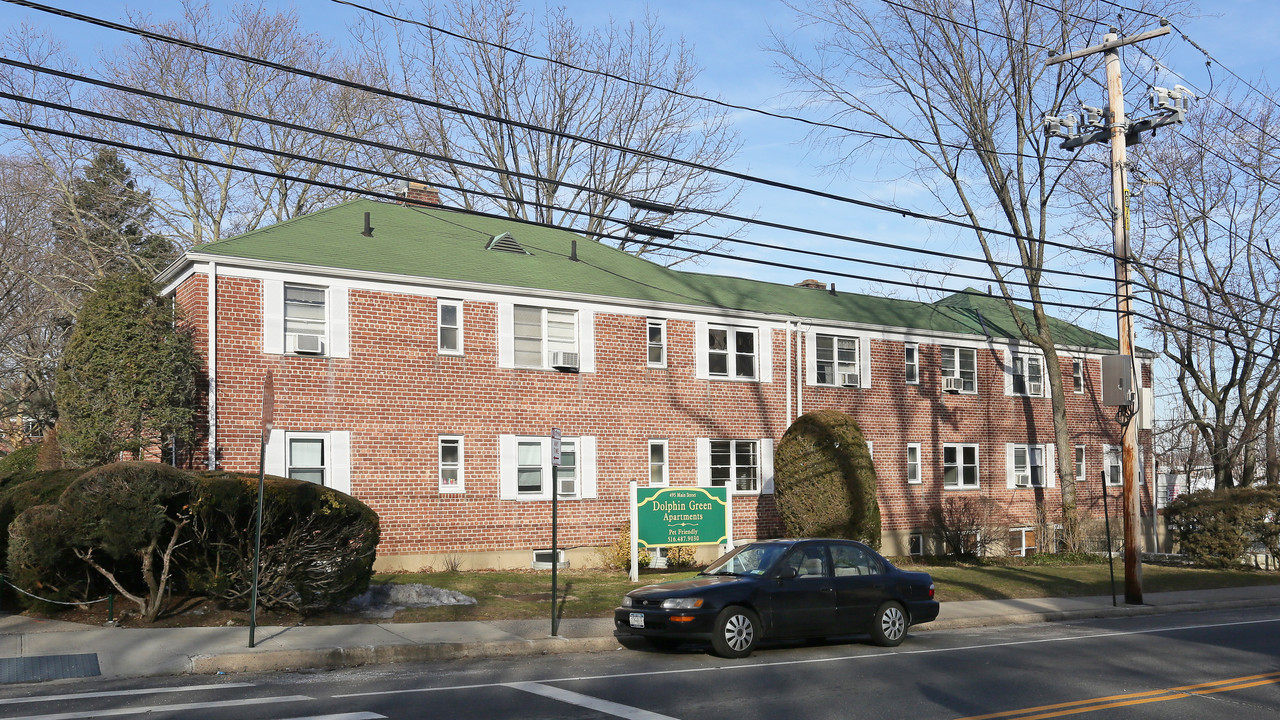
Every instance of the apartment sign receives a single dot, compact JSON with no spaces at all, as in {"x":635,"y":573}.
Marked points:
{"x":682,"y":516}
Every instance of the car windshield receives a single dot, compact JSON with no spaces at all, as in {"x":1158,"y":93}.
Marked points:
{"x":747,"y":560}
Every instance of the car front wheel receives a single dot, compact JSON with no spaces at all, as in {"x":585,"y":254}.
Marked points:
{"x":890,"y":625}
{"x":737,"y":632}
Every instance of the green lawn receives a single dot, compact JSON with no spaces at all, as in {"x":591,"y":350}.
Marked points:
{"x":503,"y":595}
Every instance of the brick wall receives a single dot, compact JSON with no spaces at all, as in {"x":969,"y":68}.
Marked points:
{"x":396,"y":394}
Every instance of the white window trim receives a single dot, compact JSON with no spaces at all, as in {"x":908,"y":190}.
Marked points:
{"x":461,"y":486}
{"x":585,"y":320}
{"x":916,"y":364}
{"x":508,"y":448}
{"x":1082,"y":476}
{"x":337,"y":336}
{"x":1022,"y":550}
{"x":337,"y":450}
{"x":912,"y":539}
{"x":666,"y":462}
{"x":1118,"y":480}
{"x":457,"y":304}
{"x":1047,"y":467}
{"x":764,"y":451}
{"x":1011,"y":359}
{"x":919,"y":464}
{"x":956,"y":350}
{"x":660,"y":323}
{"x":862,"y":364}
{"x":763,"y":346}
{"x":977,"y":466}
{"x":1077,"y":363}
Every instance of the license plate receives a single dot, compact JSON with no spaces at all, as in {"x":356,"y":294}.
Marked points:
{"x":637,"y":620}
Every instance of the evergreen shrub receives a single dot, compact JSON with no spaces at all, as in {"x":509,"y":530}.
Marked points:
{"x":824,"y":482}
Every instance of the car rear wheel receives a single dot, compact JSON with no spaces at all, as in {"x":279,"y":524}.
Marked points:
{"x":737,"y":632}
{"x":890,"y":625}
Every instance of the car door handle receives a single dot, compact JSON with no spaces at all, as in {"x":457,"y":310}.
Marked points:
{"x":828,"y":589}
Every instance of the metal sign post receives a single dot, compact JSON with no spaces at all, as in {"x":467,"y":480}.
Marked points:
{"x":268,"y":418}
{"x":555,"y":553}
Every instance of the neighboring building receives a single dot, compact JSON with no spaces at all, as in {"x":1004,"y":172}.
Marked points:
{"x":421,"y":365}
{"x":1174,"y":482}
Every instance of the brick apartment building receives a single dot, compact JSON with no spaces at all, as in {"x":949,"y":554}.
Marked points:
{"x":421,"y":357}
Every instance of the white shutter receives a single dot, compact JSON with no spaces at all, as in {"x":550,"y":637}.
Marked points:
{"x":340,"y":460}
{"x":587,"y":341}
{"x":507,"y":465}
{"x":587,"y":466}
{"x":864,"y":361}
{"x":339,"y":324}
{"x":766,"y":466}
{"x":810,"y":358}
{"x":1008,"y":372}
{"x":273,"y":317}
{"x":275,"y":460}
{"x":702,"y":369}
{"x":507,"y":339}
{"x":1011,"y":480}
{"x":1051,"y":465}
{"x":704,"y":461}
{"x":764,"y":356}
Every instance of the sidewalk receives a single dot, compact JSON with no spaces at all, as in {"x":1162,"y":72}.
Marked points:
{"x":33,"y":650}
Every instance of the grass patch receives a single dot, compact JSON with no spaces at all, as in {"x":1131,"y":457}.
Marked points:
{"x":524,"y":595}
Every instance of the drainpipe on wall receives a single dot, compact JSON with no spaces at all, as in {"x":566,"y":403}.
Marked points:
{"x":799,"y":370}
{"x":212,"y":325}
{"x":788,"y":376}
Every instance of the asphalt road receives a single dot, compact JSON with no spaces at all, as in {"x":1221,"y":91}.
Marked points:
{"x":1188,"y":665}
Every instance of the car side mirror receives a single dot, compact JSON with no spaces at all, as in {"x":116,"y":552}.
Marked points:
{"x":787,"y":573}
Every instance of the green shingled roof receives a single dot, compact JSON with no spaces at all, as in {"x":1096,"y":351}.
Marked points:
{"x":431,"y":242}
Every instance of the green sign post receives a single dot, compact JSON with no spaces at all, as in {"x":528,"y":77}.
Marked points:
{"x":679,"y":516}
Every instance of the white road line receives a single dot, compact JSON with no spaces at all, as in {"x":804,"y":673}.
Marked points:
{"x":586,"y":701}
{"x":118,"y":693}
{"x":811,"y":661}
{"x":141,"y":710}
{"x":343,"y":716}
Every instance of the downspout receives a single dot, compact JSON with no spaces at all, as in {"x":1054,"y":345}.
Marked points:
{"x":212,"y":325}
{"x":800,"y":368}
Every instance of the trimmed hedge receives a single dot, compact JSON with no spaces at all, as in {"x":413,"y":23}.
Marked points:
{"x":1217,"y":527}
{"x":824,"y":482}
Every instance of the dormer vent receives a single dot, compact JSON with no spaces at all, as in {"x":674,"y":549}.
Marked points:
{"x":506,"y":243}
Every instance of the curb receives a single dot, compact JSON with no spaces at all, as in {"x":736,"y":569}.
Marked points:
{"x":358,"y":656}
{"x":337,"y":658}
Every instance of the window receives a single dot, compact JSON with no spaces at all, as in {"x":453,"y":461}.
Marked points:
{"x":960,"y":466}
{"x":657,"y":343}
{"x":913,"y":463}
{"x":304,"y":319}
{"x":1022,"y":541}
{"x":1027,"y":466}
{"x":1111,"y":465}
{"x":1028,"y":376}
{"x":849,"y":560}
{"x":912,"y":359}
{"x":529,"y":469}
{"x":1077,"y":375}
{"x":915,"y":544}
{"x":962,"y":365}
{"x":450,"y":321}
{"x":544,"y":335}
{"x":526,"y":467}
{"x":450,"y":464}
{"x":658,"y":463}
{"x":837,"y":360}
{"x":731,"y":352}
{"x":1079,"y":463}
{"x":542,"y":559}
{"x":307,"y":459}
{"x":735,"y":464}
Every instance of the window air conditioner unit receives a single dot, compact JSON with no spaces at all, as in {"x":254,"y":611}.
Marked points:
{"x":565,"y":361}
{"x":849,"y":379}
{"x":952,"y":384}
{"x":1035,"y":388}
{"x":1022,"y":479}
{"x":307,"y":345}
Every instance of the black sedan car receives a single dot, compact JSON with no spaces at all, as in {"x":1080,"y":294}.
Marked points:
{"x":781,"y":589}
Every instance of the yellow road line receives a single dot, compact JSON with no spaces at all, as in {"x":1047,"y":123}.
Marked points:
{"x":1076,"y":707}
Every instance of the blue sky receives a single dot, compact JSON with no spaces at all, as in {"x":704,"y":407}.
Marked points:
{"x":729,"y":39}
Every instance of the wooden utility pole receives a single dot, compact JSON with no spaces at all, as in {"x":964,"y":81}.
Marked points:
{"x":1115,"y":131}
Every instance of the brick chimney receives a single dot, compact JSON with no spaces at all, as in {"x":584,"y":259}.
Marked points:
{"x":814,"y":284}
{"x":417,"y":193}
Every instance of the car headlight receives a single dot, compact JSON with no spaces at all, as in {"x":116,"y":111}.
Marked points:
{"x":688,"y":603}
{"x":626,"y":601}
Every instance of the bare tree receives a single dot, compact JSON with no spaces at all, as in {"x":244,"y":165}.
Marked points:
{"x":201,"y":203}
{"x":1211,"y":207}
{"x":538,"y":175}
{"x":960,"y":90}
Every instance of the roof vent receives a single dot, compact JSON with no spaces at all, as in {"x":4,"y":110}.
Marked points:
{"x":506,"y":243}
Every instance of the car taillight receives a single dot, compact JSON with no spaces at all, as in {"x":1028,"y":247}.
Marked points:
{"x":930,"y":591}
